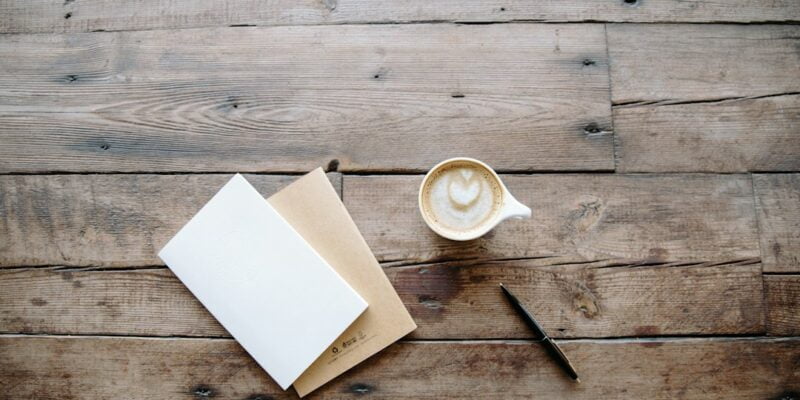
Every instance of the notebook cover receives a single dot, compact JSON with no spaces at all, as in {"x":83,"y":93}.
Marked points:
{"x":312,"y":206}
{"x":264,"y":283}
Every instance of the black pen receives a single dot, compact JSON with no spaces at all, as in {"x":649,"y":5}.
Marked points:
{"x":548,"y":343}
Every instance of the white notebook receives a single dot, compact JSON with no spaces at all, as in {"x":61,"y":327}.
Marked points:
{"x":264,"y":283}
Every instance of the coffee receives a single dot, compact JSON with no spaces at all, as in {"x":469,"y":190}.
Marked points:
{"x":461,"y":197}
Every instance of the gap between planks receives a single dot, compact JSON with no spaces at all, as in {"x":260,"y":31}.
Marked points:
{"x":675,"y":102}
{"x":520,"y":21}
{"x":610,"y":339}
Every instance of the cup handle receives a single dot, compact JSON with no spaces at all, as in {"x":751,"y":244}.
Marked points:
{"x":514,"y":209}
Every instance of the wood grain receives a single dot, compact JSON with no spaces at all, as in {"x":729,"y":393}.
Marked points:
{"x":80,"y":16}
{"x":576,"y":218}
{"x":91,"y":367}
{"x":702,"y":62}
{"x":653,"y":67}
{"x":455,"y":300}
{"x":122,"y":220}
{"x":451,"y":300}
{"x":778,"y":211}
{"x":104,"y":220}
{"x":730,"y":136}
{"x":287,"y":99}
{"x":783,"y":302}
{"x":142,"y":302}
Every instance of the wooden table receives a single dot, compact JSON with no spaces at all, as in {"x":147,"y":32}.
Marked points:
{"x":657,"y":141}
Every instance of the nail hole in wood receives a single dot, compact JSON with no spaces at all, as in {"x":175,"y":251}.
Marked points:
{"x":788,"y":396}
{"x":203,"y":392}
{"x":631,"y":2}
{"x":457,"y":95}
{"x":381,"y":73}
{"x":68,"y":15}
{"x":361,"y":388}
{"x":592,"y":129}
{"x":105,"y":146}
{"x":260,"y":397}
{"x":587,"y":62}
{"x":502,"y":8}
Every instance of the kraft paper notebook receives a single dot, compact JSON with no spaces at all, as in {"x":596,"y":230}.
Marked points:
{"x":262,"y":281}
{"x":313,"y":208}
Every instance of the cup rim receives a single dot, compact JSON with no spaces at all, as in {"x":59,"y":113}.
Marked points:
{"x":478,"y":233}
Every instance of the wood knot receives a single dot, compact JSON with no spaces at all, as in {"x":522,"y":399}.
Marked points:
{"x":203,"y":392}
{"x":38,"y":301}
{"x":789,"y":395}
{"x":333,"y":166}
{"x":330,"y":4}
{"x":430,"y":302}
{"x":593,"y":129}
{"x":585,"y":303}
{"x":260,"y":397}
{"x":590,"y":210}
{"x":380,"y":73}
{"x":361,"y":389}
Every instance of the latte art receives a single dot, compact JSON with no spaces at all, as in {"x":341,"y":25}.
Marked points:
{"x":461,"y":197}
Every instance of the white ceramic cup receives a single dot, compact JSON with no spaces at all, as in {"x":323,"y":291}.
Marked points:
{"x":508,"y":206}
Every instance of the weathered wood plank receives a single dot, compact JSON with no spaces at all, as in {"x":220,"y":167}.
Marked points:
{"x":455,"y":301}
{"x":104,"y":220}
{"x":141,"y":302}
{"x":92,"y":367}
{"x":702,"y":62}
{"x":373,"y":98}
{"x":575,"y":218}
{"x":783,"y":304}
{"x":665,"y":64}
{"x":452,"y":300}
{"x":778,"y":212}
{"x":69,"y":16}
{"x":122,"y":220}
{"x":730,"y":136}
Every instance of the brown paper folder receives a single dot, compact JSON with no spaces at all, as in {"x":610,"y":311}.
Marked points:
{"x":313,"y":208}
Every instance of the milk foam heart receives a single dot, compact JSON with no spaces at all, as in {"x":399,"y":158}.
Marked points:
{"x":462,"y":197}
{"x":463,"y":188}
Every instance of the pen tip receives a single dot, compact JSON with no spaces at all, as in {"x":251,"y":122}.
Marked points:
{"x":501,"y":284}
{"x":578,"y":380}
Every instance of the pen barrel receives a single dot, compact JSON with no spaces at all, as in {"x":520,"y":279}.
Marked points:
{"x":548,"y":343}
{"x":560,"y":357}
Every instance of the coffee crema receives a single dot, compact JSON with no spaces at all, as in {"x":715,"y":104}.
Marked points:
{"x":462,"y":197}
